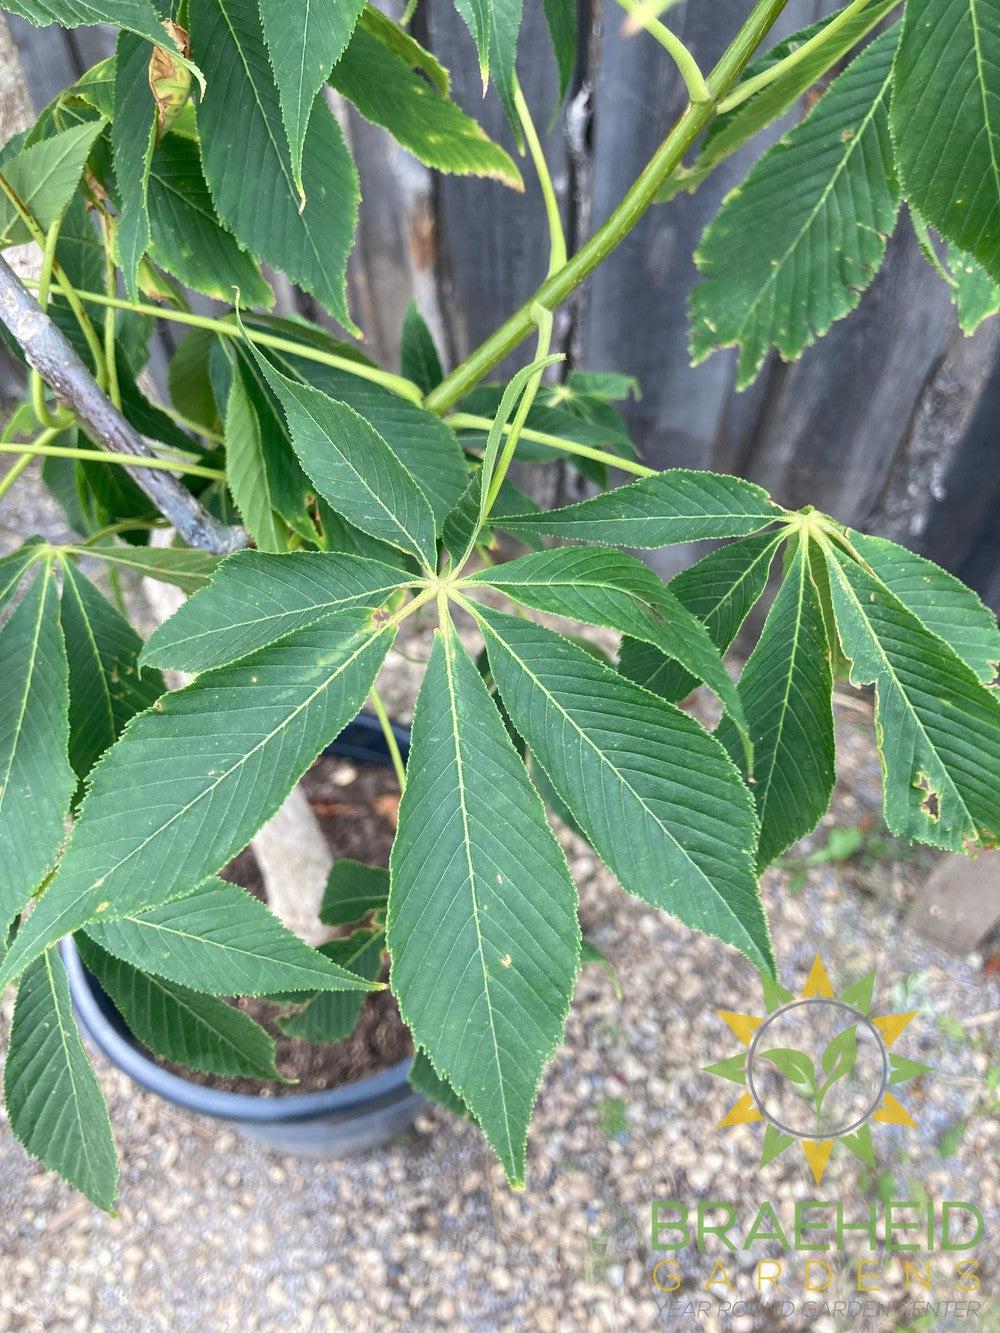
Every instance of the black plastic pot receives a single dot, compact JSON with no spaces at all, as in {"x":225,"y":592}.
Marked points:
{"x":333,"y":1123}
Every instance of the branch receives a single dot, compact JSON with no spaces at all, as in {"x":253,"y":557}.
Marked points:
{"x":49,"y":352}
{"x":643,"y":191}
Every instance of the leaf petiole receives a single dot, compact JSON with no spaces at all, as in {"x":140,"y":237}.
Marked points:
{"x":745,"y":90}
{"x":697,"y":89}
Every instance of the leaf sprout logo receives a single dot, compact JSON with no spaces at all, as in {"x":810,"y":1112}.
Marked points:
{"x":817,"y":1069}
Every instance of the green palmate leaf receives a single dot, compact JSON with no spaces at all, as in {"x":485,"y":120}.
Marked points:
{"x":135,"y":15}
{"x":482,"y":926}
{"x":187,"y":238}
{"x":80,"y":252}
{"x":44,"y":178}
{"x":246,"y":159}
{"x":974,"y":292}
{"x":186,"y":569}
{"x":96,"y":87}
{"x":335,"y":534}
{"x":721,"y":590}
{"x":406,"y":47}
{"x":474,"y":510}
{"x":423,"y":443}
{"x":189,"y":784}
{"x":602,"y":586}
{"x":461,"y":530}
{"x":246,"y":471}
{"x":786,"y":689}
{"x":944,"y":604}
{"x":14,"y":567}
{"x":105,"y":688}
{"x":133,"y":136}
{"x":304,"y":43}
{"x":593,"y":406}
{"x":190,"y":382}
{"x":352,"y":891}
{"x":292,"y":493}
{"x":656,"y":796}
{"x":256,"y":599}
{"x":36,"y":781}
{"x":946,"y":120}
{"x":53,"y":1102}
{"x":66,"y":482}
{"x":674,"y":506}
{"x":354,"y":469}
{"x":495,"y":25}
{"x":418,"y":356}
{"x":221,"y":940}
{"x":732,"y":129}
{"x":330,"y":1017}
{"x":501,"y":409}
{"x":793,"y":248}
{"x":195,"y":1030}
{"x":560,"y":17}
{"x":432,"y":127}
{"x":425,"y":1080}
{"x":609,"y":384}
{"x":561,"y":411}
{"x":938,"y":727}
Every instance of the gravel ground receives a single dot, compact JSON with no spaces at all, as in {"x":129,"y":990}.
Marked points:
{"x":215,"y":1233}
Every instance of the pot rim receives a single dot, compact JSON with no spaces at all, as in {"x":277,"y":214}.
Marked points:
{"x":362,"y":739}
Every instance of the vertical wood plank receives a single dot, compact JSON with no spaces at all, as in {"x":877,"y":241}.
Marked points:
{"x":633,"y":313}
{"x":832,"y":422}
{"x":962,"y":532}
{"x":493,"y":243}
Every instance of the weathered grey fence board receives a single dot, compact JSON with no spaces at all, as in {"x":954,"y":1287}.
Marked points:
{"x":492,"y":243}
{"x":830,"y":434}
{"x":635,"y":305}
{"x":963,"y":526}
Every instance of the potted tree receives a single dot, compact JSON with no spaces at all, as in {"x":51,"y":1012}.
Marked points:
{"x":318,"y":502}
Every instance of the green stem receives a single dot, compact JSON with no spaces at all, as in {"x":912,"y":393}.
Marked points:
{"x":543,"y":318}
{"x":195,"y":427}
{"x":556,"y":288}
{"x":390,"y":738}
{"x":36,"y":383}
{"x":803,"y":52}
{"x":9,"y":477}
{"x":396,"y":383}
{"x":96,"y":456}
{"x":28,"y":453}
{"x":65,"y":286}
{"x":557,"y":237}
{"x":467,"y":421}
{"x":126,"y":525}
{"x":690,"y":71}
{"x":110,"y":358}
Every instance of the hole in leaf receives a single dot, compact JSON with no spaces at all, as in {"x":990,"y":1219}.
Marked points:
{"x":930,"y":804}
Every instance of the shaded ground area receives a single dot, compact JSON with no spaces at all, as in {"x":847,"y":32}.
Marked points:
{"x":214,"y":1233}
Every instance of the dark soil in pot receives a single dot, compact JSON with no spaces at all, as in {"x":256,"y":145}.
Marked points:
{"x":356,"y":805}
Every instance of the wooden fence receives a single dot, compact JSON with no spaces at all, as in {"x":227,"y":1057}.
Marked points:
{"x":887,"y":423}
